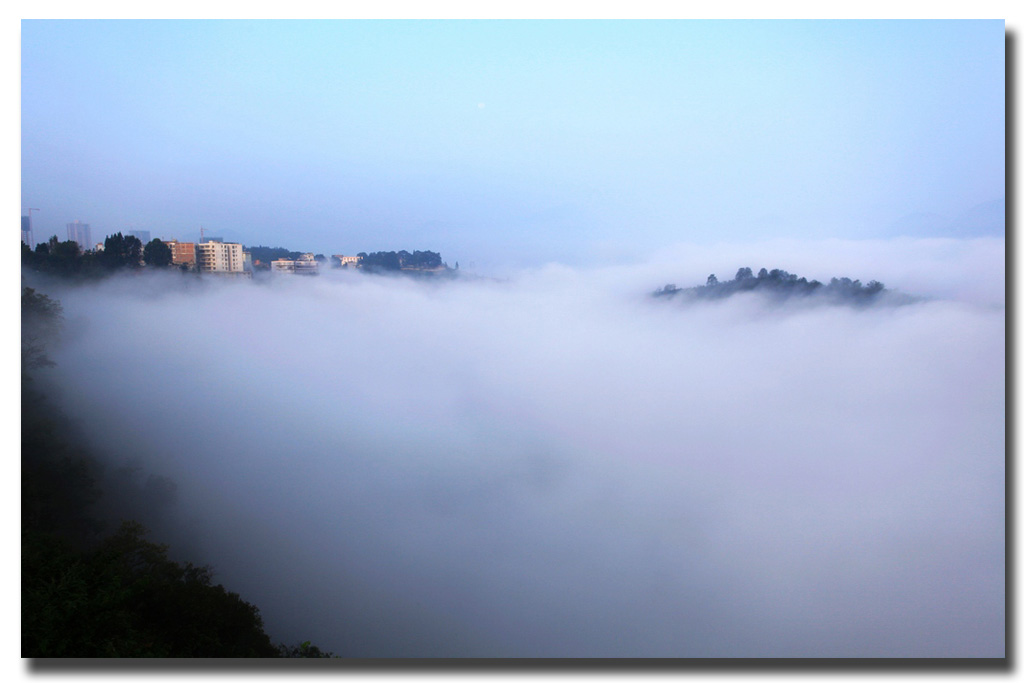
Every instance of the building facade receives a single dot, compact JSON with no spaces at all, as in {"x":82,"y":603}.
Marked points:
{"x":219,"y":257}
{"x":183,"y":253}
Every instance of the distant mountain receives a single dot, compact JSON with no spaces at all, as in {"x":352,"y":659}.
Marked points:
{"x":987,"y":219}
{"x":981,"y":220}
{"x":778,"y":285}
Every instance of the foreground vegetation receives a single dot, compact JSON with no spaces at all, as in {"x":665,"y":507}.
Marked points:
{"x":88,"y":591}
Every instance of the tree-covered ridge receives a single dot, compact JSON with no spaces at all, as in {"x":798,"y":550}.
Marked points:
{"x":780,"y":285}
{"x":400,"y":260}
{"x":87,"y":593}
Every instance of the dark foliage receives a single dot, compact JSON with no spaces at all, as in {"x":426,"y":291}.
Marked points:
{"x":64,"y":259}
{"x":401,"y":260}
{"x":124,"y":598}
{"x":780,"y":285}
{"x":267,"y":254}
{"x":84,"y":595}
{"x":40,"y":324}
{"x":157,"y":254}
{"x":304,"y":650}
{"x":120,"y":251}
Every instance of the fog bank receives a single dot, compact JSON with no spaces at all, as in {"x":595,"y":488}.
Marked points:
{"x":555,"y":464}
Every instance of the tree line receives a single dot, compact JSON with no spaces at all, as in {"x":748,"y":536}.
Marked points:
{"x":780,"y":284}
{"x":400,"y":260}
{"x":119,"y":253}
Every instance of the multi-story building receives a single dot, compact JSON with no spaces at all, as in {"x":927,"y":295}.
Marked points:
{"x":219,"y":257}
{"x":282,"y":265}
{"x":183,"y":253}
{"x":304,"y":265}
{"x":80,"y":232}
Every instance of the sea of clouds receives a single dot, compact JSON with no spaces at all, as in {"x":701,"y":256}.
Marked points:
{"x":553,"y":463}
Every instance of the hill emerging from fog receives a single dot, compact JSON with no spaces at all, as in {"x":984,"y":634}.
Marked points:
{"x":780,"y":286}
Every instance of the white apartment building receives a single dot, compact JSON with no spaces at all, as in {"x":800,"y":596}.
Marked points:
{"x":219,"y":257}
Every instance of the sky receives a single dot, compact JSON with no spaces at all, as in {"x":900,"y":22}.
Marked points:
{"x":513,"y":142}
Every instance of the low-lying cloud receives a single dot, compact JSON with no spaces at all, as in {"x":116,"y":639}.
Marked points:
{"x":558,"y":464}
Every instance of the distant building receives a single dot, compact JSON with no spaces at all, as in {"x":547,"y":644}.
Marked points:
{"x":26,"y":231}
{"x":345,"y":261}
{"x":219,"y":257}
{"x":143,"y":236}
{"x":183,"y":253}
{"x":246,"y":261}
{"x":282,"y":265}
{"x":80,"y":232}
{"x":304,"y":265}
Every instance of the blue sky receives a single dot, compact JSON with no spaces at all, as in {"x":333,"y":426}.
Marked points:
{"x":514,"y":141}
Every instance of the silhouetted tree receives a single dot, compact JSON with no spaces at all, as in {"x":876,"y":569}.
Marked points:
{"x":121,"y":252}
{"x":157,"y":254}
{"x":304,"y":650}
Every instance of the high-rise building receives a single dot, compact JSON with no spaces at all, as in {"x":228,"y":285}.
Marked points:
{"x":143,"y":236}
{"x":80,"y":232}
{"x":219,"y":257}
{"x":26,"y":231}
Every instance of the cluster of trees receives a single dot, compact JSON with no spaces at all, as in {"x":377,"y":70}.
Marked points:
{"x":781,"y":285}
{"x":400,"y":260}
{"x":87,"y":592}
{"x":267,"y":254}
{"x":120,"y":252}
